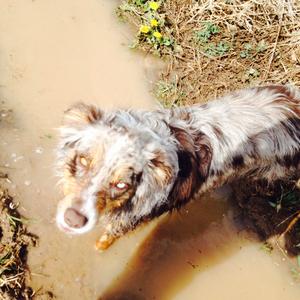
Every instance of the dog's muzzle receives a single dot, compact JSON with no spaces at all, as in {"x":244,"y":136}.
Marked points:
{"x":73,"y":217}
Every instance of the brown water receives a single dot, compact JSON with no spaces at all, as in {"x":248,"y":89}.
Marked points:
{"x":54,"y":53}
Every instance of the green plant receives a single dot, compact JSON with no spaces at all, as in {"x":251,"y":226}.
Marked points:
{"x":168,"y":94}
{"x":267,"y":247}
{"x":205,"y":34}
{"x":252,"y":73}
{"x":152,"y":31}
{"x":261,"y":46}
{"x":247,"y":51}
{"x":295,"y":273}
{"x":218,"y":49}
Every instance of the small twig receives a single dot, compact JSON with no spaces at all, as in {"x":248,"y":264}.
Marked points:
{"x":274,"y":48}
{"x":292,"y":223}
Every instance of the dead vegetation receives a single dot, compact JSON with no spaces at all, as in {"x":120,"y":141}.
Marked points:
{"x":14,"y":243}
{"x":212,"y":47}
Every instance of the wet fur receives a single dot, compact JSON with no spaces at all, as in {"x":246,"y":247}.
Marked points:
{"x":253,"y":133}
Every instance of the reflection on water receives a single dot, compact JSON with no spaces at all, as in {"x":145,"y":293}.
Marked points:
{"x":52,"y":54}
{"x":201,"y":253}
{"x":181,"y":246}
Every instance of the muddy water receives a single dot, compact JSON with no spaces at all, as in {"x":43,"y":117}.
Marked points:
{"x":54,"y":53}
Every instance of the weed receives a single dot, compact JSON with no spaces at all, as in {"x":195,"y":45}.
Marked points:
{"x":247,"y":51}
{"x":252,"y":73}
{"x":261,"y":46}
{"x":295,"y":273}
{"x":153,"y":30}
{"x":267,"y":247}
{"x":205,"y":34}
{"x":168,"y":94}
{"x":204,"y":40}
{"x":287,"y":198}
{"x":218,"y":49}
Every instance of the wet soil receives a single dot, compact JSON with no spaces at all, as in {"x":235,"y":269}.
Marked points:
{"x":271,"y":210}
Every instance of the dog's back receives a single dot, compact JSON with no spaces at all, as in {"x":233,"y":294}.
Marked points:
{"x":253,"y":132}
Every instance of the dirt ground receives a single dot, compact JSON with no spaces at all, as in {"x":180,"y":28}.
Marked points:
{"x":212,"y":47}
{"x":271,"y":210}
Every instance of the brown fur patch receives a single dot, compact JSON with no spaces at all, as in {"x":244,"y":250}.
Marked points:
{"x":194,"y":159}
{"x":71,"y":165}
{"x":161,"y":172}
{"x":204,"y":154}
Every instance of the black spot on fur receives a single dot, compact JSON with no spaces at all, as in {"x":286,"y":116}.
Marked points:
{"x":219,"y":173}
{"x":237,"y":161}
{"x":289,"y":161}
{"x":292,"y":127}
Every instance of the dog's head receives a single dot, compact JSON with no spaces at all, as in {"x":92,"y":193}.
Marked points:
{"x":112,"y":166}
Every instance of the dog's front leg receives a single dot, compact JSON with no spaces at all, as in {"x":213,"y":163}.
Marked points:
{"x":105,"y":241}
{"x":115,"y":228}
{"x":107,"y":238}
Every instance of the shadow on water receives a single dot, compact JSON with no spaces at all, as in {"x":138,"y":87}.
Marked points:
{"x":182,"y":245}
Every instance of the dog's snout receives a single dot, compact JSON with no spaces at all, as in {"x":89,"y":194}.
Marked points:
{"x":74,"y":219}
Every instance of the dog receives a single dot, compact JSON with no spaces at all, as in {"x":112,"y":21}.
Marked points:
{"x":126,"y":167}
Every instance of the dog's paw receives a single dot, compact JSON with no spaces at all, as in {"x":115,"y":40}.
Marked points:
{"x":104,"y":242}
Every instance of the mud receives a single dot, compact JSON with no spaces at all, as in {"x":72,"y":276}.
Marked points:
{"x":271,"y":210}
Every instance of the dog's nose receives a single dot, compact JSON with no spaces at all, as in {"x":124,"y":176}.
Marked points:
{"x":74,"y":219}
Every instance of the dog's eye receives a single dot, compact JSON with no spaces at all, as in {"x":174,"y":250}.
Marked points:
{"x":84,"y":161}
{"x":121,"y":185}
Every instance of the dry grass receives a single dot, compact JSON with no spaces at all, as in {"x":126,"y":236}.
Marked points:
{"x":14,"y":242}
{"x":212,"y":47}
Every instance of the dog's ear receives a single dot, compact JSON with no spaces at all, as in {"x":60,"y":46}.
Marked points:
{"x":80,"y":115}
{"x":197,"y":146}
{"x":203,"y":154}
{"x":194,"y":158}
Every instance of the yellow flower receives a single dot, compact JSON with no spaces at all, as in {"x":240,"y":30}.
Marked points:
{"x":157,"y":34}
{"x":144,"y":29}
{"x":154,"y":5}
{"x":153,"y":22}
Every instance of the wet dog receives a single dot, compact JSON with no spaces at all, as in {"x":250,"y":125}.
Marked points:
{"x":127,"y":167}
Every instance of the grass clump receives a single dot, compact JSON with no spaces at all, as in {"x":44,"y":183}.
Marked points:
{"x":212,"y":47}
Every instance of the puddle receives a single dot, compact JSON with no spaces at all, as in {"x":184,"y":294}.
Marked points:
{"x":52,"y":54}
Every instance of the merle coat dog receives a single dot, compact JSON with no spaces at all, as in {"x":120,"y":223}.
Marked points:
{"x":127,"y":167}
